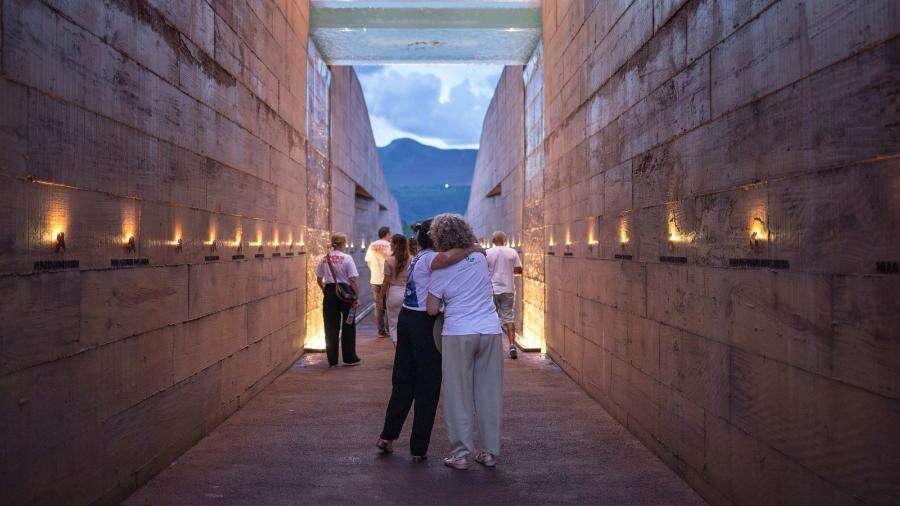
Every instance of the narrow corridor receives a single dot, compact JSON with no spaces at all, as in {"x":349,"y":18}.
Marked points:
{"x":308,"y":438}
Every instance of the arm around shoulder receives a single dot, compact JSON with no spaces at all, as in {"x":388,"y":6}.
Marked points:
{"x":447,"y":258}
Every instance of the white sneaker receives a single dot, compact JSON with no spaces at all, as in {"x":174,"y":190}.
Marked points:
{"x":486,"y":459}
{"x":460,"y":463}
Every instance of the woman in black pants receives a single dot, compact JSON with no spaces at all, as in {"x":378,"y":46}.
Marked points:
{"x":339,"y":267}
{"x":417,"y":362}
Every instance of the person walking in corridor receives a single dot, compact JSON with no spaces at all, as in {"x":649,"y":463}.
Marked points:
{"x":376,"y":254}
{"x":337,"y":276}
{"x":471,"y":346}
{"x":504,"y":262}
{"x":396,"y":271}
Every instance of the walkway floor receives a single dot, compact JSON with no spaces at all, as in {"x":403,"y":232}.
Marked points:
{"x":309,"y":438}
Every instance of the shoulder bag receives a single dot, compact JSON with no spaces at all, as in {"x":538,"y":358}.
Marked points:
{"x":344,"y":291}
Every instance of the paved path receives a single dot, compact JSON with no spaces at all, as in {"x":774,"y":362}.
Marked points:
{"x":309,"y":438}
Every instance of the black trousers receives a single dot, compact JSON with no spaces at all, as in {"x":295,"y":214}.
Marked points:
{"x":334,"y":314}
{"x":416,"y":377}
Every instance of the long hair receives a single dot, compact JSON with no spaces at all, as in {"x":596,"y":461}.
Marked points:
{"x":450,"y":231}
{"x":400,"y":251}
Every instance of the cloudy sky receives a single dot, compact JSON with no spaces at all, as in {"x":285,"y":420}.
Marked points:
{"x":440,"y":105}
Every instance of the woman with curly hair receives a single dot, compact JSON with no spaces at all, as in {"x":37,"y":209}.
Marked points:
{"x":416,"y":379}
{"x":472,"y":347}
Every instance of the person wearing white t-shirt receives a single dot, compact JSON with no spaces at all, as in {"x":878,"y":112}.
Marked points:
{"x":471,"y":346}
{"x":338,"y":267}
{"x":376,"y":254}
{"x":504,"y":263}
{"x":416,"y":378}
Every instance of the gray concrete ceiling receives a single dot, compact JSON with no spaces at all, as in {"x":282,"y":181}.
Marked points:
{"x":349,"y":32}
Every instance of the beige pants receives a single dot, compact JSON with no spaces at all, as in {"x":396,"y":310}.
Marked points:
{"x":473,"y":378}
{"x":394,"y":304}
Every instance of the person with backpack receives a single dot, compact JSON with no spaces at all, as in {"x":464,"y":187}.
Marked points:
{"x":337,"y":276}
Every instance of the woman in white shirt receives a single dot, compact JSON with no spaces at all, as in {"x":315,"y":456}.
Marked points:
{"x":472,"y":347}
{"x":338,"y":267}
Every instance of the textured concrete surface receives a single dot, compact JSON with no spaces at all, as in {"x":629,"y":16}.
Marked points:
{"x":709,"y":220}
{"x":308,"y":438}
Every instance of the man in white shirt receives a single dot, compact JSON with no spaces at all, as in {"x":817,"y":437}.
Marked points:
{"x":503,"y":263}
{"x":377,"y":253}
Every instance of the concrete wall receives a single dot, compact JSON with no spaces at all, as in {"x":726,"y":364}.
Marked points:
{"x":187,"y":126}
{"x":500,"y":169}
{"x":726,"y":176}
{"x":500,"y":164}
{"x":361,"y":199}
{"x":318,"y":189}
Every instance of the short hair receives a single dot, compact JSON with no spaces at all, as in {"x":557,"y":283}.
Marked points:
{"x":383,"y":231}
{"x":423,"y":235}
{"x":498,"y":238}
{"x":450,"y":231}
{"x":338,"y":240}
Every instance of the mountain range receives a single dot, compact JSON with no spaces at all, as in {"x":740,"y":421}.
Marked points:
{"x":427,"y":180}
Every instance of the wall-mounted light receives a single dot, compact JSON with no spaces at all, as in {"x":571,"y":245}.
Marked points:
{"x":593,"y":232}
{"x":758,"y":232}
{"x":179,"y":246}
{"x":59,"y":244}
{"x":676,"y":235}
{"x":623,"y":233}
{"x":130,"y":245}
{"x":213,"y":246}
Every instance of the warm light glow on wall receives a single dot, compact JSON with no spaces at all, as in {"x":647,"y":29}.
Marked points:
{"x":129,"y":223}
{"x":212,"y":235}
{"x":315,"y":331}
{"x":176,"y":235}
{"x":623,"y":231}
{"x":592,"y":233}
{"x":758,"y":231}
{"x":676,"y":234}
{"x":259,"y":239}
{"x":532,"y":336}
{"x":56,"y":217}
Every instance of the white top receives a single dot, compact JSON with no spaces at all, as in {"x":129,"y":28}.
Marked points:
{"x":501,"y":260}
{"x":376,"y":254}
{"x":344,"y":267}
{"x":417,"y":280}
{"x":465,"y":288}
